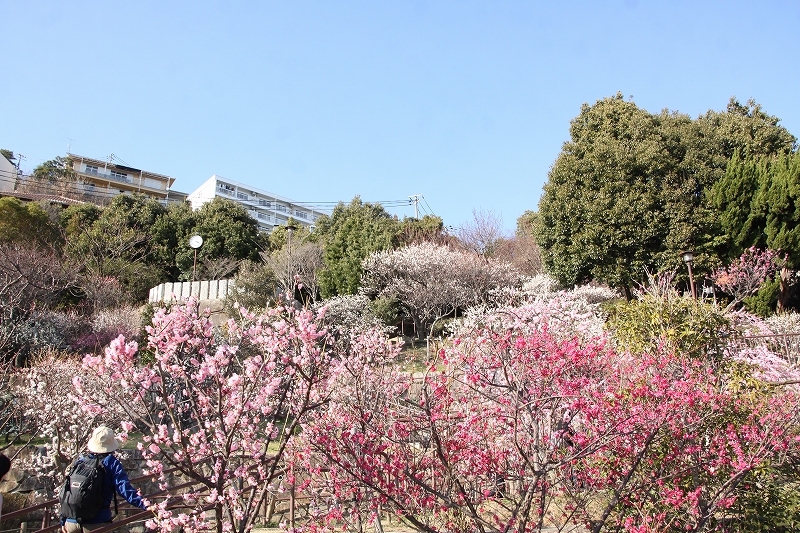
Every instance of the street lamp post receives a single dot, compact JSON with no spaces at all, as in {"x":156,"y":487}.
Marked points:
{"x":196,"y":241}
{"x":688,"y":257}
{"x":290,"y":227}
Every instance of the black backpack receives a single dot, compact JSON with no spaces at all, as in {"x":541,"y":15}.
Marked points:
{"x":81,"y":496}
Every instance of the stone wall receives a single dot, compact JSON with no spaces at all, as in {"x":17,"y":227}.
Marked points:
{"x":216,"y":289}
{"x":211,"y":295}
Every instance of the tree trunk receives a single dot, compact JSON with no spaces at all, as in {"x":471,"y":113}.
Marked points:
{"x":783,"y":294}
{"x":628,"y":293}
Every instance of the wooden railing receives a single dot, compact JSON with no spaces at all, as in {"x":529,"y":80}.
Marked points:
{"x":787,"y":345}
{"x":50,"y":514}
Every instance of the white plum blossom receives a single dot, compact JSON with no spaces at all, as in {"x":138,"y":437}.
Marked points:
{"x":431,"y":281}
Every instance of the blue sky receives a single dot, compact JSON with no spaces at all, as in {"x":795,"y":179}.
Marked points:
{"x":466,"y":103}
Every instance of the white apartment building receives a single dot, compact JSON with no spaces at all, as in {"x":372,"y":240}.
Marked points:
{"x":268,"y":209}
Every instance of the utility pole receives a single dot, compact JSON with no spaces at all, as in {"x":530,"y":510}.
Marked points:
{"x":415,"y":198}
{"x":20,"y":157}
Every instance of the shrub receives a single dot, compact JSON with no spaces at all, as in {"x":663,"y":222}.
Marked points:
{"x":254,"y":287}
{"x":107,"y":325}
{"x":387,"y":310}
{"x":43,"y":331}
{"x":763,"y":302}
{"x":660,"y":318}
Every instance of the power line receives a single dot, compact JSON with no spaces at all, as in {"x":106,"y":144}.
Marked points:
{"x":114,"y":157}
{"x":429,"y":207}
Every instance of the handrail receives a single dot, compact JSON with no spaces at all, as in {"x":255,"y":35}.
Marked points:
{"x":770,"y":336}
{"x":117,"y":523}
{"x":125,"y":506}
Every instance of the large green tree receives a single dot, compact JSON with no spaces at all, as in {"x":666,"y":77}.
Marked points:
{"x":141,"y":243}
{"x":601,"y":216}
{"x":55,"y":176}
{"x":166,"y":228}
{"x":228,"y":231}
{"x":630,"y":190}
{"x":429,"y":228}
{"x":351,"y":233}
{"x":26,"y":222}
{"x":109,"y":247}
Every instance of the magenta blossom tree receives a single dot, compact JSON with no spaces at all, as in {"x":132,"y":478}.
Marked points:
{"x":688,"y":439}
{"x":517,"y":429}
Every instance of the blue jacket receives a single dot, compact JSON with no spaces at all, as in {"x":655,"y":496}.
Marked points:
{"x":116,"y":479}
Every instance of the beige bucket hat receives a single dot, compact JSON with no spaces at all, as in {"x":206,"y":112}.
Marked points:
{"x":103,"y":441}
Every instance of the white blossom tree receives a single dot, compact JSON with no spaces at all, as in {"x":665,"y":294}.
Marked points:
{"x":48,"y":409}
{"x":432,"y":282}
{"x":303,"y":265}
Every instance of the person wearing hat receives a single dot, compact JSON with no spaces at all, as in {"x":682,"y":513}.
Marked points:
{"x":102,"y":445}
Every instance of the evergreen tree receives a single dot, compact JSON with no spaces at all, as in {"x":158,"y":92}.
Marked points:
{"x":228,"y":231}
{"x":349,"y":235}
{"x":733,"y":196}
{"x":631,"y":190}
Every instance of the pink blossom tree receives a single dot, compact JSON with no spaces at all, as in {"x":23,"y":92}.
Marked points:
{"x":688,"y":439}
{"x":218,"y":406}
{"x":482,"y":443}
{"x":745,"y":276}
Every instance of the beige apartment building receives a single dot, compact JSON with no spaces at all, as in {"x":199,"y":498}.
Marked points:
{"x":106,"y":179}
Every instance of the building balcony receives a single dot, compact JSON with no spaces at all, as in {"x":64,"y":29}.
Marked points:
{"x":107,"y":175}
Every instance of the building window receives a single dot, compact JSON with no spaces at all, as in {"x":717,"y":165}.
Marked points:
{"x":92,"y":169}
{"x":300,"y":214}
{"x":264,"y":203}
{"x":241,"y":196}
{"x":224,"y":188}
{"x":263,"y":216}
{"x":279,"y":207}
{"x":119,"y":176}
